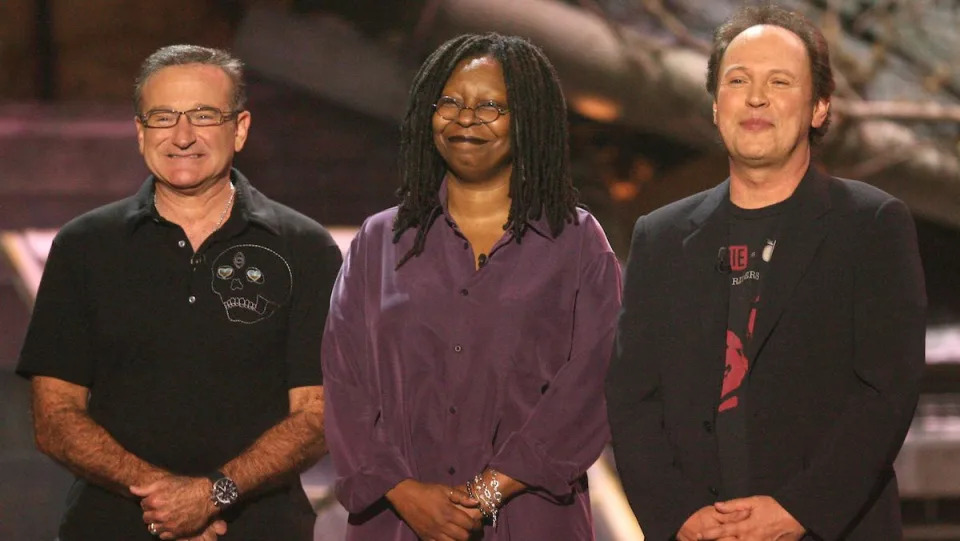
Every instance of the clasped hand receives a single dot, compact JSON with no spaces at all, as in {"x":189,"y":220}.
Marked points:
{"x":757,"y":518}
{"x":436,"y":512}
{"x":180,"y":508}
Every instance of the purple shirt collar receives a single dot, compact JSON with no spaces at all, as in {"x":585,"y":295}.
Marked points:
{"x":539,"y":225}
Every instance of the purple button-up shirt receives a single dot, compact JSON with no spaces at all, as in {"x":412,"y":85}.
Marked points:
{"x":437,"y":370}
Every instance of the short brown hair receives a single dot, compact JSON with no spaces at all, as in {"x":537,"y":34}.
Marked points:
{"x":180,"y":55}
{"x":811,"y":36}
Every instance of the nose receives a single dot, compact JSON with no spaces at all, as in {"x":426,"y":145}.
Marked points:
{"x":183,"y":132}
{"x":473,"y":117}
{"x":757,"y":96}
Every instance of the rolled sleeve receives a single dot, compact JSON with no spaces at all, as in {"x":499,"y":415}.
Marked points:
{"x":566,"y":431}
{"x":366,"y":463}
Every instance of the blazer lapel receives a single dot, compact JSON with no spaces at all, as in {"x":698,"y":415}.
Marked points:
{"x":800,"y":234}
{"x":709,"y":291}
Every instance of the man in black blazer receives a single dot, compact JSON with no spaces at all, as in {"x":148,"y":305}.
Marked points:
{"x":772,"y":335}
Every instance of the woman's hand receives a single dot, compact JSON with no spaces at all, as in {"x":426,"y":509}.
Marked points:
{"x":430,"y":511}
{"x":458,"y":495}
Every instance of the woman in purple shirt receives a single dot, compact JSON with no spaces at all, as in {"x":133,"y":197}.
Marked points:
{"x":471,"y":326}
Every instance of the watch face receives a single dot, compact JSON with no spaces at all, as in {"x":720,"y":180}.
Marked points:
{"x":224,"y":492}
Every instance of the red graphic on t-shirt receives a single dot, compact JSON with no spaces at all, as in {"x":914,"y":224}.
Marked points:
{"x":737,"y":363}
{"x":734,"y":372}
{"x":739,"y":257}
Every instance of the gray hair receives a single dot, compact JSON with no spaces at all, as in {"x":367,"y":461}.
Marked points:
{"x":179,"y":55}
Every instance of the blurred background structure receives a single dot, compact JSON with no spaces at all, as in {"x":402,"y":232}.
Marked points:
{"x":328,"y":82}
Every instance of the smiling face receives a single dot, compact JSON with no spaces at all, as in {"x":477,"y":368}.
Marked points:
{"x":475,"y":151}
{"x":187,"y":157}
{"x":764,"y":106}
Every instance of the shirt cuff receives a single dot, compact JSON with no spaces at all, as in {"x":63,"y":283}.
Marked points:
{"x":365,"y":487}
{"x":526,"y":461}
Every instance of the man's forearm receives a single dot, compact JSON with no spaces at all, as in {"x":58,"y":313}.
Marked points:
{"x":288,"y":448}
{"x":72,"y":438}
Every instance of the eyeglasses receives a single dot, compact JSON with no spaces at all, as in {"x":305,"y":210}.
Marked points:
{"x":450,"y":108}
{"x":201,"y":116}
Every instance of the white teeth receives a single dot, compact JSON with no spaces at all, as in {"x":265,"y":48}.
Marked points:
{"x":237,"y":302}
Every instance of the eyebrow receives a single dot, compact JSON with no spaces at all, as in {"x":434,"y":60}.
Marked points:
{"x":775,"y":71}
{"x":478,"y":100}
{"x":195,"y":106}
{"x":478,"y":92}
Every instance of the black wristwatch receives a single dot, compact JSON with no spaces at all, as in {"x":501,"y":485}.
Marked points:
{"x":224,"y":492}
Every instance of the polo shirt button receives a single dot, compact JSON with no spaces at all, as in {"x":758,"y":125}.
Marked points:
{"x":453,"y":409}
{"x":182,"y":243}
{"x":464,"y":292}
{"x":708,"y":427}
{"x":458,"y":348}
{"x":714,"y":491}
{"x":451,"y":470}
{"x":191,"y":299}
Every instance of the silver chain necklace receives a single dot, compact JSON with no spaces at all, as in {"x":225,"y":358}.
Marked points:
{"x":223,"y":213}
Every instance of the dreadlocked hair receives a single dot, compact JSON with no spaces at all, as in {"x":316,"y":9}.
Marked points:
{"x":540,"y":183}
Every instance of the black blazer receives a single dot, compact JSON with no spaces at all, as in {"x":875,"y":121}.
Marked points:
{"x":836,"y":360}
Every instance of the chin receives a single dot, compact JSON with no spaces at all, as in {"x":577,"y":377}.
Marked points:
{"x":183,"y":179}
{"x":752,"y":154}
{"x":463,"y":172}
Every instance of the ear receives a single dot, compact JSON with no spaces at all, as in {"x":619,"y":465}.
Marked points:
{"x":140,"y":132}
{"x":820,"y":110}
{"x":243,"y":128}
{"x":714,"y":112}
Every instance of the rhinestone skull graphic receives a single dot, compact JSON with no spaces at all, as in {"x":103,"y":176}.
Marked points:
{"x":251,"y":281}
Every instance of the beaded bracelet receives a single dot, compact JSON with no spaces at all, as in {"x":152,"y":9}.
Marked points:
{"x":488,"y":494}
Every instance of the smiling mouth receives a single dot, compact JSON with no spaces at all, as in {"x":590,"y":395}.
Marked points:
{"x":756,"y":124}
{"x":185,"y":156}
{"x":467,"y":139}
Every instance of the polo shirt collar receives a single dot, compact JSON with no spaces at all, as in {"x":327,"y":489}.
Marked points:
{"x":253,"y":205}
{"x":142,"y":207}
{"x":249,"y":204}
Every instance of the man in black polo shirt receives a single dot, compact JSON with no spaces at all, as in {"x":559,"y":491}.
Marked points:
{"x":771,"y":341}
{"x":174,"y":345}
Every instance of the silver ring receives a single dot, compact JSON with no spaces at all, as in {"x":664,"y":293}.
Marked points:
{"x":152,"y":528}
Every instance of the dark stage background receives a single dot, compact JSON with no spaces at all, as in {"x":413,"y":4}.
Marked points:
{"x":328,"y":80}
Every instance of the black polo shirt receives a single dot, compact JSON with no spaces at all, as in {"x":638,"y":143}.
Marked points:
{"x":188,"y":356}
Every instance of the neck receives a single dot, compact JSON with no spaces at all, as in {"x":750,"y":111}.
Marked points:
{"x":757,"y":187}
{"x":211,"y":204}
{"x":470,"y":202}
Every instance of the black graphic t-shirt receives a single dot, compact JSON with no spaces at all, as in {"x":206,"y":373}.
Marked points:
{"x":189,"y":356}
{"x":751,"y":246}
